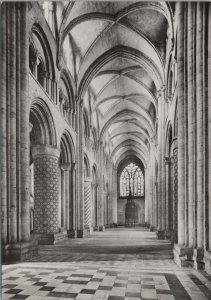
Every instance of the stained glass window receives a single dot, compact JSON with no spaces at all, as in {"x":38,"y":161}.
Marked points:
{"x":132,"y":179}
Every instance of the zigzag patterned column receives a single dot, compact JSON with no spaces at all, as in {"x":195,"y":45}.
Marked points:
{"x":87,"y":203}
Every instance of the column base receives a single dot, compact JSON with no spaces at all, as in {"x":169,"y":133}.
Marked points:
{"x":170,"y":235}
{"x":152,"y":228}
{"x":183,"y":256}
{"x":72,"y":234}
{"x":198,"y":258}
{"x":160,"y":234}
{"x":50,"y":238}
{"x":81,"y":233}
{"x":102,"y":228}
{"x":19,"y":252}
{"x":207,"y":262}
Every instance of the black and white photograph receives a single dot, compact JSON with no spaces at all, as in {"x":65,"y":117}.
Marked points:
{"x":105,"y":147}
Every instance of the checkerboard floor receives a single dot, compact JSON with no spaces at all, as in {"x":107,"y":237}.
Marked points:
{"x":37,"y":281}
{"x":118,"y":264}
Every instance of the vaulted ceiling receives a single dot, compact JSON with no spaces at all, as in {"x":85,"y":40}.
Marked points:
{"x":116,"y":52}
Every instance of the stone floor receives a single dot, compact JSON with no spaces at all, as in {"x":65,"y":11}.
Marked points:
{"x":114,"y":265}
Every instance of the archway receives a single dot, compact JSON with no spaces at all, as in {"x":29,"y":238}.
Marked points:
{"x":131,"y":192}
{"x":44,"y":173}
{"x":67,"y":184}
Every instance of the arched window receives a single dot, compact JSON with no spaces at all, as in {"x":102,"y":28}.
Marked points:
{"x":32,"y":58}
{"x":132,"y":181}
{"x":41,"y":72}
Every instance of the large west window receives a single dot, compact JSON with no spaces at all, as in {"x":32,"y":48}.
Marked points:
{"x":132,"y":179}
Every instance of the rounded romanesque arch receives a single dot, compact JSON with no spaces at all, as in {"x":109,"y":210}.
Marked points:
{"x":43,"y":130}
{"x":41,"y":62}
{"x":67,"y":183}
{"x":44,"y":170}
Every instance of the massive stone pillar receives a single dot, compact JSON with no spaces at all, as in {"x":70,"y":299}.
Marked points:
{"x":46,"y":194}
{"x":191,"y":133}
{"x":87,"y":203}
{"x":182,"y":254}
{"x":15,"y":133}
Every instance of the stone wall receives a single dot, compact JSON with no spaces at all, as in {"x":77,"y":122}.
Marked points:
{"x":121,"y":204}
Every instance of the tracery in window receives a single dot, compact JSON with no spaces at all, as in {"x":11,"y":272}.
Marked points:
{"x":132,"y":181}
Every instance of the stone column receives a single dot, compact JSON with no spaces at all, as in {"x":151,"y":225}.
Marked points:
{"x":169,"y":198}
{"x":110,"y":203}
{"x":199,"y":127}
{"x":15,"y":133}
{"x":207,"y":255}
{"x":191,"y":128}
{"x":146,"y":195}
{"x":96,"y":206}
{"x":87,"y":203}
{"x":167,"y":195}
{"x":72,"y":233}
{"x":12,"y":163}
{"x":100,"y":193}
{"x":151,"y":209}
{"x":175,"y":188}
{"x":180,"y":7}
{"x":156,"y":204}
{"x":80,"y":170}
{"x":182,"y":254}
{"x":63,"y":198}
{"x":46,"y":196}
{"x":161,"y":213}
{"x":3,"y":103}
{"x":198,"y":253}
{"x":114,"y":195}
{"x":65,"y":193}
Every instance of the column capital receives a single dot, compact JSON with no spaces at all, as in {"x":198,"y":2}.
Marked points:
{"x":88,"y":179}
{"x":169,"y":160}
{"x":45,"y":150}
{"x":66,"y":166}
{"x":161,"y":91}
